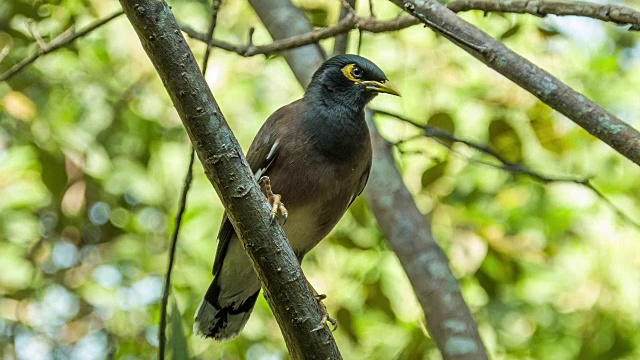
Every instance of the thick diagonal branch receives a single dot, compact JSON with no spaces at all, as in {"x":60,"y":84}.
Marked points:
{"x":225,"y":165}
{"x":597,"y":121}
{"x":448,"y":318}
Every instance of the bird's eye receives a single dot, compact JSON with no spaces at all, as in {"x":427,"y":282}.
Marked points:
{"x":357,"y":72}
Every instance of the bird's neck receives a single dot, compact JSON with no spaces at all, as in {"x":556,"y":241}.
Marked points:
{"x":337,"y":131}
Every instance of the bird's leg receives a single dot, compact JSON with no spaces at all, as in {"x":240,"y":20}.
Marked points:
{"x":323,"y":308}
{"x":275,"y":200}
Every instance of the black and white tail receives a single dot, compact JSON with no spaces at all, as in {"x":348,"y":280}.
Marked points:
{"x":222,"y":322}
{"x":228,"y":303}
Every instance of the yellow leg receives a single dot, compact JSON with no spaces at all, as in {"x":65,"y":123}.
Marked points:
{"x":275,"y":200}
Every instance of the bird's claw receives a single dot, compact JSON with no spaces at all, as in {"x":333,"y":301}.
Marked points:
{"x":275,"y":200}
{"x":325,"y":314}
{"x":278,"y":206}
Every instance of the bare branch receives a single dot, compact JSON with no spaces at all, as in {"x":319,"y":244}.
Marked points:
{"x":35,"y":33}
{"x":64,"y":39}
{"x":341,"y":41}
{"x":348,"y":23}
{"x":597,"y":121}
{"x":215,"y":8}
{"x":618,"y":14}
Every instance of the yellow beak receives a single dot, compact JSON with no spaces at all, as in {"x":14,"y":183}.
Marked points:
{"x":384,"y":86}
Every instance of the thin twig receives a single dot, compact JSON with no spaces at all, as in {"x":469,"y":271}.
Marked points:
{"x":215,"y":7}
{"x":64,"y":39}
{"x":432,"y":131}
{"x":439,"y":134}
{"x":360,"y":34}
{"x":35,"y":33}
{"x":172,"y":253}
{"x":341,"y":41}
{"x":349,"y":22}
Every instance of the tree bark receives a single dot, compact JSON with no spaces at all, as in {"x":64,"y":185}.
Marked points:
{"x":284,"y":285}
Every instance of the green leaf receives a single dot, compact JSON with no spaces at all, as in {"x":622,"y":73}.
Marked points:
{"x":433,"y":173}
{"x":54,"y":174}
{"x":318,"y":16}
{"x":504,"y":138}
{"x":417,"y":346}
{"x":345,"y":319}
{"x":443,"y":121}
{"x":376,"y":298}
{"x":542,"y":123}
{"x":510,"y":32}
{"x":359,"y":211}
{"x":547,"y":30}
{"x":177,"y":341}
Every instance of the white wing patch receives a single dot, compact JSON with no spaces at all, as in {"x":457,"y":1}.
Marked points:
{"x":270,"y":157}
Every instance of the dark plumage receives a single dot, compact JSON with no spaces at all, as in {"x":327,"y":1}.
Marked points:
{"x":317,"y":153}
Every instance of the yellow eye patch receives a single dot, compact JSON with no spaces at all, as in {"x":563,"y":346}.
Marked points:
{"x":347,"y":71}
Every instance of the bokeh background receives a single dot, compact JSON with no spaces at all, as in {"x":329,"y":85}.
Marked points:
{"x":92,"y":157}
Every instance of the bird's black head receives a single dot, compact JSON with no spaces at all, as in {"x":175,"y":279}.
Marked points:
{"x":348,"y":81}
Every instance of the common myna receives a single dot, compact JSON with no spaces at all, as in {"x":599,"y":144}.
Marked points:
{"x":315,"y":154}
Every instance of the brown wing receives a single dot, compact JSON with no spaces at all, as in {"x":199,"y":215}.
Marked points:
{"x":261,"y":154}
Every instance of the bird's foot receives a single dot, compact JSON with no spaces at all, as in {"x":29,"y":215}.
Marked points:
{"x":275,"y":200}
{"x":325,"y":314}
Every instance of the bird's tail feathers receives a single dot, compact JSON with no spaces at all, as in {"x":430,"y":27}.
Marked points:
{"x":222,"y":322}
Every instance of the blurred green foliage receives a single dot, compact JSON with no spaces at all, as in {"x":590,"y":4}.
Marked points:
{"x":92,"y":156}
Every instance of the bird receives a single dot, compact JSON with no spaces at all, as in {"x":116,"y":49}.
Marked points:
{"x":314,"y":155}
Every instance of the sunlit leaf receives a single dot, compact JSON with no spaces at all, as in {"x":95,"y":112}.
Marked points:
{"x":359,"y":211}
{"x":176,"y":340}
{"x":54,"y":174}
{"x":542,"y":122}
{"x":318,"y":15}
{"x":505,"y":140}
{"x":433,"y":173}
{"x":443,"y":121}
{"x":19,"y":106}
{"x":510,"y":32}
